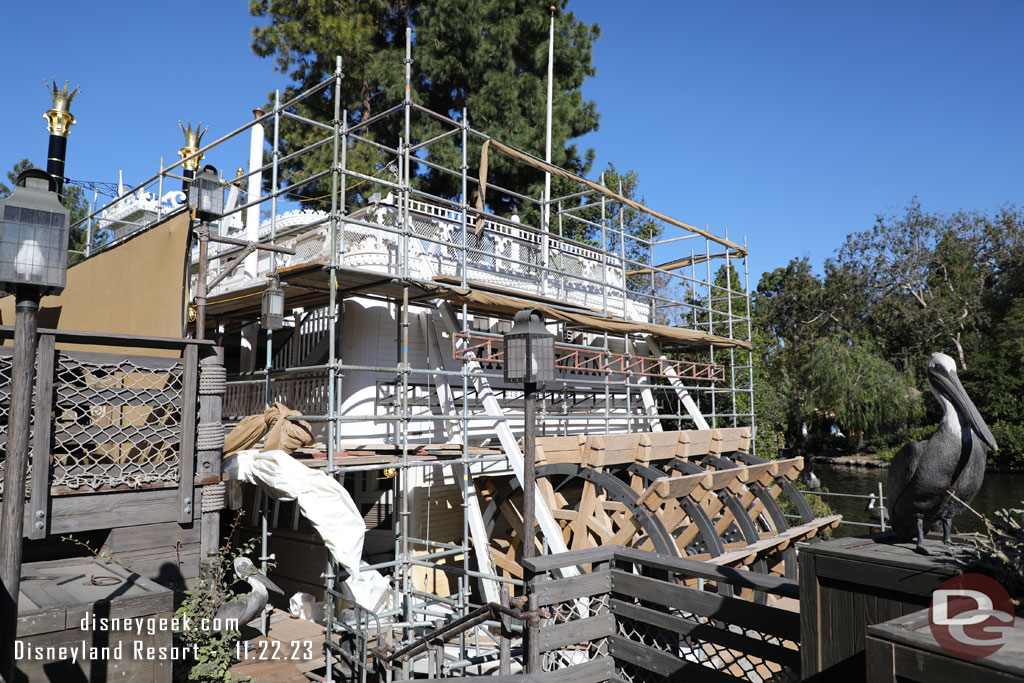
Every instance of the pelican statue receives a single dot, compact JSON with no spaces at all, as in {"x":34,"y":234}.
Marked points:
{"x":244,"y":608}
{"x":925,"y":475}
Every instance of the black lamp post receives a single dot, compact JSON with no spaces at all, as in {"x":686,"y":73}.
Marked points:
{"x":206,"y":199}
{"x":33,"y":262}
{"x":530,"y":359}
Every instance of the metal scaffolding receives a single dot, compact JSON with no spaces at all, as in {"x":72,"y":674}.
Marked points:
{"x":609,"y":383}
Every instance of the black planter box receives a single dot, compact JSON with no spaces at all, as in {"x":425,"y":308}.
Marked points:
{"x":904,"y":650}
{"x":848,"y":584}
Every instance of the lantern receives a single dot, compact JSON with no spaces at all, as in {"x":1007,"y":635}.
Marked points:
{"x":529,"y":349}
{"x":206,"y":195}
{"x":272,"y":317}
{"x":34,"y":235}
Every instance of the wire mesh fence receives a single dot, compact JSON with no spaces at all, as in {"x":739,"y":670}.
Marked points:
{"x":117,"y":423}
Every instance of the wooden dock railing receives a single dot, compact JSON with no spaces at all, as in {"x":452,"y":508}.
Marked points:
{"x":652,"y":617}
{"x":106,"y":423}
{"x":639,"y":616}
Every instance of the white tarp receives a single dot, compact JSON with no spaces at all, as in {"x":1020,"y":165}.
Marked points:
{"x":327,"y":506}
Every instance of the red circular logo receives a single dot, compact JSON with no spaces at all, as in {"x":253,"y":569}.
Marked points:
{"x":971,"y":616}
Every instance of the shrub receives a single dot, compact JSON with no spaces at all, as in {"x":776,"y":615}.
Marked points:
{"x":1010,"y":438}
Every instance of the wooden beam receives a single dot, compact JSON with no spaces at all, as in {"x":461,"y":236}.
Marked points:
{"x":187,"y":443}
{"x":38,"y":521}
{"x":685,"y":262}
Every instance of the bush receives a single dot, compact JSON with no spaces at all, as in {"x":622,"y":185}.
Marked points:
{"x":819,"y":507}
{"x":922,"y":433}
{"x":1010,"y":438}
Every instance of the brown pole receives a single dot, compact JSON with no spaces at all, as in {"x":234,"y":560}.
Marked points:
{"x":529,"y":512}
{"x":529,"y":470}
{"x":204,"y":246}
{"x":26,"y":323}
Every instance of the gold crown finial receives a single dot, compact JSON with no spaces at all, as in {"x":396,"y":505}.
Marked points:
{"x":59,"y":119}
{"x":193,"y":141}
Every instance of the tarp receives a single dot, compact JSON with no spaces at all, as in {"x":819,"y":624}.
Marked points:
{"x":285,"y":435}
{"x":327,"y":506}
{"x":509,"y":305}
{"x":138,"y":287}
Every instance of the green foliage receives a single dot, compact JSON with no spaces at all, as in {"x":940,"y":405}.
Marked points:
{"x":770,"y":406}
{"x":73,"y":200}
{"x":922,"y":433}
{"x":853,"y":383}
{"x":489,"y":56}
{"x":1010,"y":438}
{"x":926,"y":276}
{"x":819,"y":507}
{"x":214,"y":650}
{"x":850,"y":346}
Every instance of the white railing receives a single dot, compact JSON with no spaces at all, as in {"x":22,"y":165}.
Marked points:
{"x":502,"y":254}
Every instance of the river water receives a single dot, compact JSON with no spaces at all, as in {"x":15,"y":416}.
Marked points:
{"x":1000,"y":490}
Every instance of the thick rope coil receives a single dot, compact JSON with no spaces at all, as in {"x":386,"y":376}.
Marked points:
{"x":212,"y":380}
{"x":210,"y":436}
{"x":213,"y":497}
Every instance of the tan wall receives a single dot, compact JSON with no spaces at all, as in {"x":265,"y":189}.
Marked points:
{"x":136,"y":288}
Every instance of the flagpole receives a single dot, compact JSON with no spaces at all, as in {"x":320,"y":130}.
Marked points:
{"x":547,"y":154}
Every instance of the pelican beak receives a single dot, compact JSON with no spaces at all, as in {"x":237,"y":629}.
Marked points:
{"x":266,"y":582}
{"x":949,"y":385}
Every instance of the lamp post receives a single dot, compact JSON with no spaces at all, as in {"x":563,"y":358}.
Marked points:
{"x":33,"y":262}
{"x":206,"y":199}
{"x":530,"y":359}
{"x":272,"y":318}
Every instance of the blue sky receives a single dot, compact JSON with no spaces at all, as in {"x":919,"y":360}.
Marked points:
{"x":792,"y":123}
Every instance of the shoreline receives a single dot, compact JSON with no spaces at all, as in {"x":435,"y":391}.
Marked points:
{"x":872,"y":462}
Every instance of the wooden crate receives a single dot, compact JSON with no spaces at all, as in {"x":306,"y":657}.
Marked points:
{"x":847,"y":585}
{"x":904,"y":650}
{"x":55,"y":598}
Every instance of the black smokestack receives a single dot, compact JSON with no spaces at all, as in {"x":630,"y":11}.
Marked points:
{"x":58,"y":122}
{"x":55,"y":157}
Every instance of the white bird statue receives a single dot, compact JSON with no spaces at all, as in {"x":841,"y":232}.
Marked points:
{"x":244,"y":608}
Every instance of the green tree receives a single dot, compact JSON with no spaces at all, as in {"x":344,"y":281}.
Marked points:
{"x":857,"y":386}
{"x":489,"y":56}
{"x":926,"y":275}
{"x":73,"y":200}
{"x":790,"y":303}
{"x":582,"y":216}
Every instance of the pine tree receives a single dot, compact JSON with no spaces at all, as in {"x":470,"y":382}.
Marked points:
{"x":489,"y":56}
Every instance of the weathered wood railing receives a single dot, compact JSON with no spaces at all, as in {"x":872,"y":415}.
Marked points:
{"x":641,"y":616}
{"x":299,"y":390}
{"x":655,"y":617}
{"x":110,"y":422}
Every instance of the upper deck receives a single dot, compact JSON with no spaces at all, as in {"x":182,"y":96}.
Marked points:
{"x":502,"y":253}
